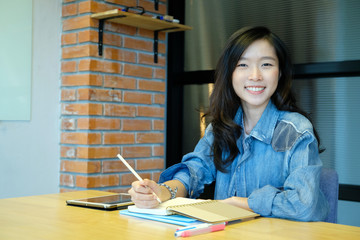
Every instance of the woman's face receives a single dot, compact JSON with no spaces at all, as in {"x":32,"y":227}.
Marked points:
{"x":256,"y":75}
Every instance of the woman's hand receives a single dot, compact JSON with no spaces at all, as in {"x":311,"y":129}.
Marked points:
{"x":143,"y":193}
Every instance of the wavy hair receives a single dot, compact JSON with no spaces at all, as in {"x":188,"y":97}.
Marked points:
{"x":224,"y":102}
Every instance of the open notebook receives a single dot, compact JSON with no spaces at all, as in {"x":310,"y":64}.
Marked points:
{"x":211,"y":211}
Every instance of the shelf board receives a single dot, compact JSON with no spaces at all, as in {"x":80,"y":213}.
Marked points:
{"x":140,"y":21}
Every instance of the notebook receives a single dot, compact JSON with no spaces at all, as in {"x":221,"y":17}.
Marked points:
{"x":172,"y":219}
{"x":211,"y":211}
{"x":162,"y":208}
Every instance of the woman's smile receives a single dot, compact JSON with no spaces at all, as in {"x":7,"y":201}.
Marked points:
{"x":255,"y":89}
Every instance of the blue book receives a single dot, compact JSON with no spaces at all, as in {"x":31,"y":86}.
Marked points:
{"x":172,"y":219}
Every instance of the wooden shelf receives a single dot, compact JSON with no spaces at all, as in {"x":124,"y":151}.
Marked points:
{"x":140,"y":21}
{"x":136,"y":20}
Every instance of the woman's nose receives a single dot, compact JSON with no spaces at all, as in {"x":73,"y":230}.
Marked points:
{"x":255,"y":74}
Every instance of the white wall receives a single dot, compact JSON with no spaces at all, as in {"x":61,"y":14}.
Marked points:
{"x":29,"y":150}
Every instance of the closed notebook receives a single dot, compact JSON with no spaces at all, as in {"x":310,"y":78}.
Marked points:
{"x":211,"y":211}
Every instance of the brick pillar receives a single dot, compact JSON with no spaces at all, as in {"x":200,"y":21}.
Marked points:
{"x":110,"y":104}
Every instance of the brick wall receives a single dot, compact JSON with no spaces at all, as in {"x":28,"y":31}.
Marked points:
{"x":110,"y":104}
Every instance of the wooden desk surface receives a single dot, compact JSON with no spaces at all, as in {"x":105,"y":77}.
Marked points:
{"x":48,"y":217}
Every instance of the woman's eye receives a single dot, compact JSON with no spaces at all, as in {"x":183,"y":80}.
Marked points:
{"x":241,"y":65}
{"x":267,"y":65}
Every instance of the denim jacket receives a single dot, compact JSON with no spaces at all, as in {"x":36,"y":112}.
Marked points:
{"x":277,"y":168}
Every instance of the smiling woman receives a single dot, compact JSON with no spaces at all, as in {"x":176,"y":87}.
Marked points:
{"x":273,"y":167}
{"x":323,"y":38}
{"x":251,"y":57}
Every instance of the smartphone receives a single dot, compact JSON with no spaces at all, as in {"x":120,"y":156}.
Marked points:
{"x":108,"y":202}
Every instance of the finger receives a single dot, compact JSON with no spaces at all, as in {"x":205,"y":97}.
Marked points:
{"x":143,"y":196}
{"x":146,"y":204}
{"x":140,"y":187}
{"x":143,"y":200}
{"x":141,"y":193}
{"x":152,"y":185}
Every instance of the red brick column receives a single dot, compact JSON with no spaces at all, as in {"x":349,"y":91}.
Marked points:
{"x":110,"y":104}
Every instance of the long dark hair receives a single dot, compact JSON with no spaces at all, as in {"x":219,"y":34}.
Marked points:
{"x":224,"y":102}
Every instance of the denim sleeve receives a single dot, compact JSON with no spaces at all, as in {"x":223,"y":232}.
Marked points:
{"x":196,"y":168}
{"x":300,"y":198}
{"x":176,"y":172}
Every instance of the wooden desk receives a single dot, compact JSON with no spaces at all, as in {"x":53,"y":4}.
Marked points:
{"x":48,"y":217}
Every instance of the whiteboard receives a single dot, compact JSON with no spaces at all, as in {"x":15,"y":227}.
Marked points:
{"x":15,"y":59}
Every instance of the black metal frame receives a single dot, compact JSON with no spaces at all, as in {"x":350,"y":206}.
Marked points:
{"x":174,"y":99}
{"x":177,"y":78}
{"x":301,"y":71}
{"x":101,"y":33}
{"x":349,"y":192}
{"x":327,"y":69}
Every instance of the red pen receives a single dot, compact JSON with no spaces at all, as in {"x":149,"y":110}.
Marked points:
{"x":200,"y":230}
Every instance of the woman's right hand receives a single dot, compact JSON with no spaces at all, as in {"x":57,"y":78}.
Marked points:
{"x":142,"y":193}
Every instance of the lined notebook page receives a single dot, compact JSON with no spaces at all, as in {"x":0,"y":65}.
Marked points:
{"x":163,"y":208}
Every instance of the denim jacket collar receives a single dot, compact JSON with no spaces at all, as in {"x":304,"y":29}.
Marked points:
{"x":264,"y":129}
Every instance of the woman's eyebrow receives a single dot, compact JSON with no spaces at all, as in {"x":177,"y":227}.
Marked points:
{"x":268,"y":58}
{"x":262,"y":58}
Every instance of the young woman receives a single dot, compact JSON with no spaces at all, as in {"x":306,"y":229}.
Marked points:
{"x":260,"y":148}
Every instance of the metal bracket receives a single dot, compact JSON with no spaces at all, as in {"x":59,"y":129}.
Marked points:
{"x":156,"y":37}
{"x":156,"y":42}
{"x":101,"y":32}
{"x":156,"y":48}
